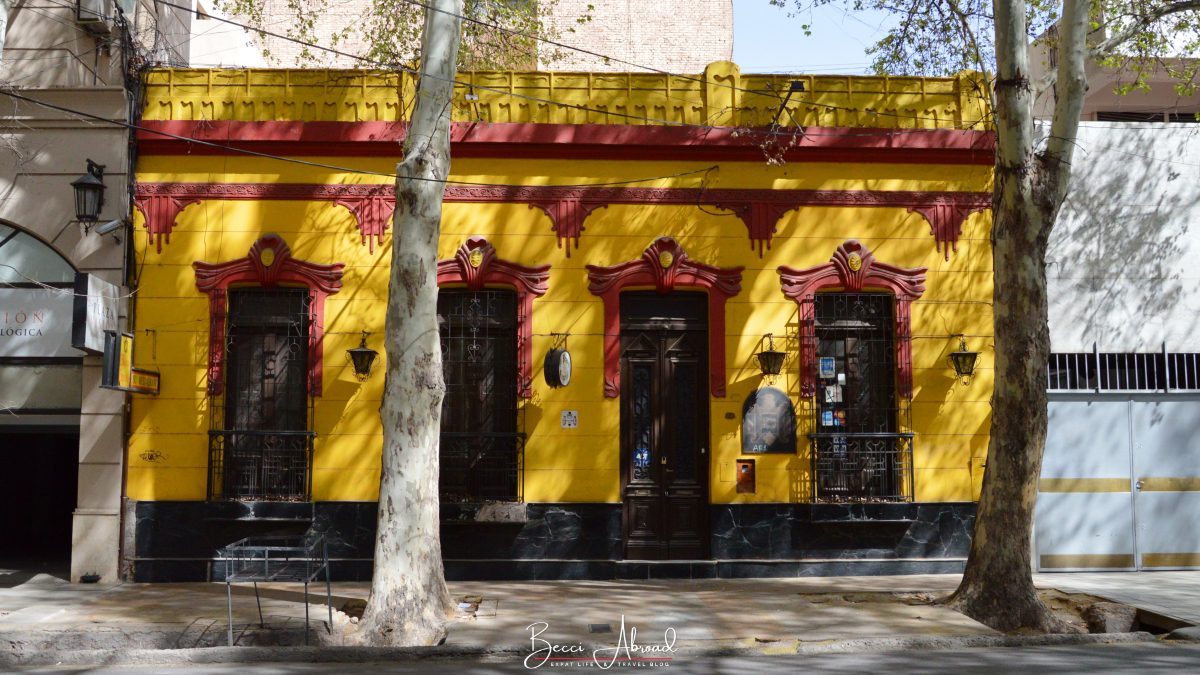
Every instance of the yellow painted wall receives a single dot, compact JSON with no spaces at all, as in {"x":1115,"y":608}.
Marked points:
{"x":168,"y":445}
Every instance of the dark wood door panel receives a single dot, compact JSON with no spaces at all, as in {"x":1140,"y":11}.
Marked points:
{"x":664,"y":428}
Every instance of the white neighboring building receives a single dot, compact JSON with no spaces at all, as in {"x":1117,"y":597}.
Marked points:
{"x":62,"y":438}
{"x":1120,"y":487}
{"x":679,"y":36}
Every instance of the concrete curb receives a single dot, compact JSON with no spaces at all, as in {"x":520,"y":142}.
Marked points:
{"x":213,"y":655}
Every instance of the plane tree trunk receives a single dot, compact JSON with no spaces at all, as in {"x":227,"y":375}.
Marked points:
{"x":997,"y":587}
{"x":409,"y":603}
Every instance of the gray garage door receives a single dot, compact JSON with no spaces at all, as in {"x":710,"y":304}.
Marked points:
{"x":1120,"y":487}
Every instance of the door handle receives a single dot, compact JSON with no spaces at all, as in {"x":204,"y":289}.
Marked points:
{"x":663,"y":461}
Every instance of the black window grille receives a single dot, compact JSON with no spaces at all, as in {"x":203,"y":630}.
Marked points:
{"x":481,"y":442}
{"x":861,"y":449}
{"x":1123,"y":371}
{"x":260,"y":443}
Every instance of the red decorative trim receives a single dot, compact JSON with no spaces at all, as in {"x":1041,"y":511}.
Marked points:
{"x":761,"y":219}
{"x":946,"y":221}
{"x":159,"y":212}
{"x":566,"y":218}
{"x":277,"y":267}
{"x":665,"y":266}
{"x":476,"y":265}
{"x":853,"y":268}
{"x":571,"y":141}
{"x":567,"y":207}
{"x":373,"y":212}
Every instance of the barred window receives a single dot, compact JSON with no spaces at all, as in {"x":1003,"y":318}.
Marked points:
{"x":481,"y":444}
{"x":859,"y":450}
{"x":261,"y":443}
{"x":1123,"y":371}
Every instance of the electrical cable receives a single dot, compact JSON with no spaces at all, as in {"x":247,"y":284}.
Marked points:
{"x":573,"y":106}
{"x":322,"y":165}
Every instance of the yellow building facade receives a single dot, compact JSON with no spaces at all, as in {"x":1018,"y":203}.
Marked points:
{"x":655,"y":241}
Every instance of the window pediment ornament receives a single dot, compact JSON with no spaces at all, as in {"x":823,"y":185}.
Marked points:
{"x":475,"y":265}
{"x":269,"y":262}
{"x":853,"y":268}
{"x":665,"y":266}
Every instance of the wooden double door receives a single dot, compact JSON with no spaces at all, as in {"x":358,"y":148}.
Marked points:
{"x":664,"y":425}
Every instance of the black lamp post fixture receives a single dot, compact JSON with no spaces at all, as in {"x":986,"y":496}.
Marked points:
{"x":963,"y":361}
{"x":770,"y":360}
{"x":363,"y":357}
{"x":89,"y":193}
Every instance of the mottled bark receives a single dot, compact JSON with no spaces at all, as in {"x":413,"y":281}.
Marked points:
{"x":997,"y":587}
{"x":4,"y":7}
{"x":409,"y":602}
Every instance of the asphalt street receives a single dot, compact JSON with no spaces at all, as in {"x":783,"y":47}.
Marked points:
{"x":1141,"y":658}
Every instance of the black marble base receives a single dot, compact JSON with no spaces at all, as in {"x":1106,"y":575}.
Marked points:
{"x":842,"y":531}
{"x":178,"y":541}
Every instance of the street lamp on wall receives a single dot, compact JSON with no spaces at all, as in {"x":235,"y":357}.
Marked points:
{"x":963,"y":360}
{"x":362,"y":357}
{"x":89,"y":193}
{"x":770,"y":360}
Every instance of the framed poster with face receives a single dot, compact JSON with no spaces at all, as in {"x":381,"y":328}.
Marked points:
{"x":768,"y":423}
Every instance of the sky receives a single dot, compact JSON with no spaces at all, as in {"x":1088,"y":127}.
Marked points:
{"x":766,"y":39}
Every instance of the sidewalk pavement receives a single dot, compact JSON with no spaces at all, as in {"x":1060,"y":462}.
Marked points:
{"x":45,"y":612}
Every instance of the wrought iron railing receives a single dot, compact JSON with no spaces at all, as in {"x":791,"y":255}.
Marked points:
{"x":862,"y":467}
{"x":260,"y":465}
{"x":481,"y":466}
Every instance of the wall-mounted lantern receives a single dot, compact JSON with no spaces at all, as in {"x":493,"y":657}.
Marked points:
{"x":963,"y":360}
{"x":89,"y":193}
{"x":363,"y":357}
{"x":770,"y":360}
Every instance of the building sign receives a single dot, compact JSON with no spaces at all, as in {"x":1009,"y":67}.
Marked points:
{"x":35,"y":322}
{"x":96,"y":307}
{"x":768,"y":422}
{"x":119,"y":372}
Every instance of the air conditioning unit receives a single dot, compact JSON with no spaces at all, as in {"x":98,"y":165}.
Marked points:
{"x":95,"y":16}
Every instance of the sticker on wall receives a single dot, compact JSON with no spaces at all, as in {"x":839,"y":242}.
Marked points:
{"x":827,"y":418}
{"x":641,"y":458}
{"x":833,"y":393}
{"x":569,"y":419}
{"x":826,"y":367}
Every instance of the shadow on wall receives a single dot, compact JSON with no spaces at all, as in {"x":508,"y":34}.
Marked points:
{"x":1122,"y":254}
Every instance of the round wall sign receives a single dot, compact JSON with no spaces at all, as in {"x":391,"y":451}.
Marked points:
{"x":558,"y":368}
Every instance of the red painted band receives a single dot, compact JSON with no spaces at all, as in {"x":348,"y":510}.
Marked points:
{"x":577,"y":141}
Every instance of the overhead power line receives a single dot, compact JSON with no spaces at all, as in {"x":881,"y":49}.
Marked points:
{"x":322,"y":165}
{"x":537,"y":99}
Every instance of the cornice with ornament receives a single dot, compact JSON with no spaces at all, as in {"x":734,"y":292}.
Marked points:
{"x":567,"y":207}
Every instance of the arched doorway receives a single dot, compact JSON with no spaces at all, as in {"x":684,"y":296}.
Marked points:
{"x":40,"y":389}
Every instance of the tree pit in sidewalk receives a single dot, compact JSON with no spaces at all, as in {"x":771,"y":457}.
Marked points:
{"x":1080,"y":612}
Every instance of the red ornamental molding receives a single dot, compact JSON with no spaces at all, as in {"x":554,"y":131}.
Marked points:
{"x":159,"y":212}
{"x":566,"y":218}
{"x":568,"y":207}
{"x":269,"y":263}
{"x":665,"y":266}
{"x":946,"y":221}
{"x":373,"y":212}
{"x":853,"y":268}
{"x":475,"y":265}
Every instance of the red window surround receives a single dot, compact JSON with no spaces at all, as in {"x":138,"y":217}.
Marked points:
{"x":664,"y":266}
{"x":853,"y":268}
{"x":269,"y":263}
{"x":475,"y":265}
